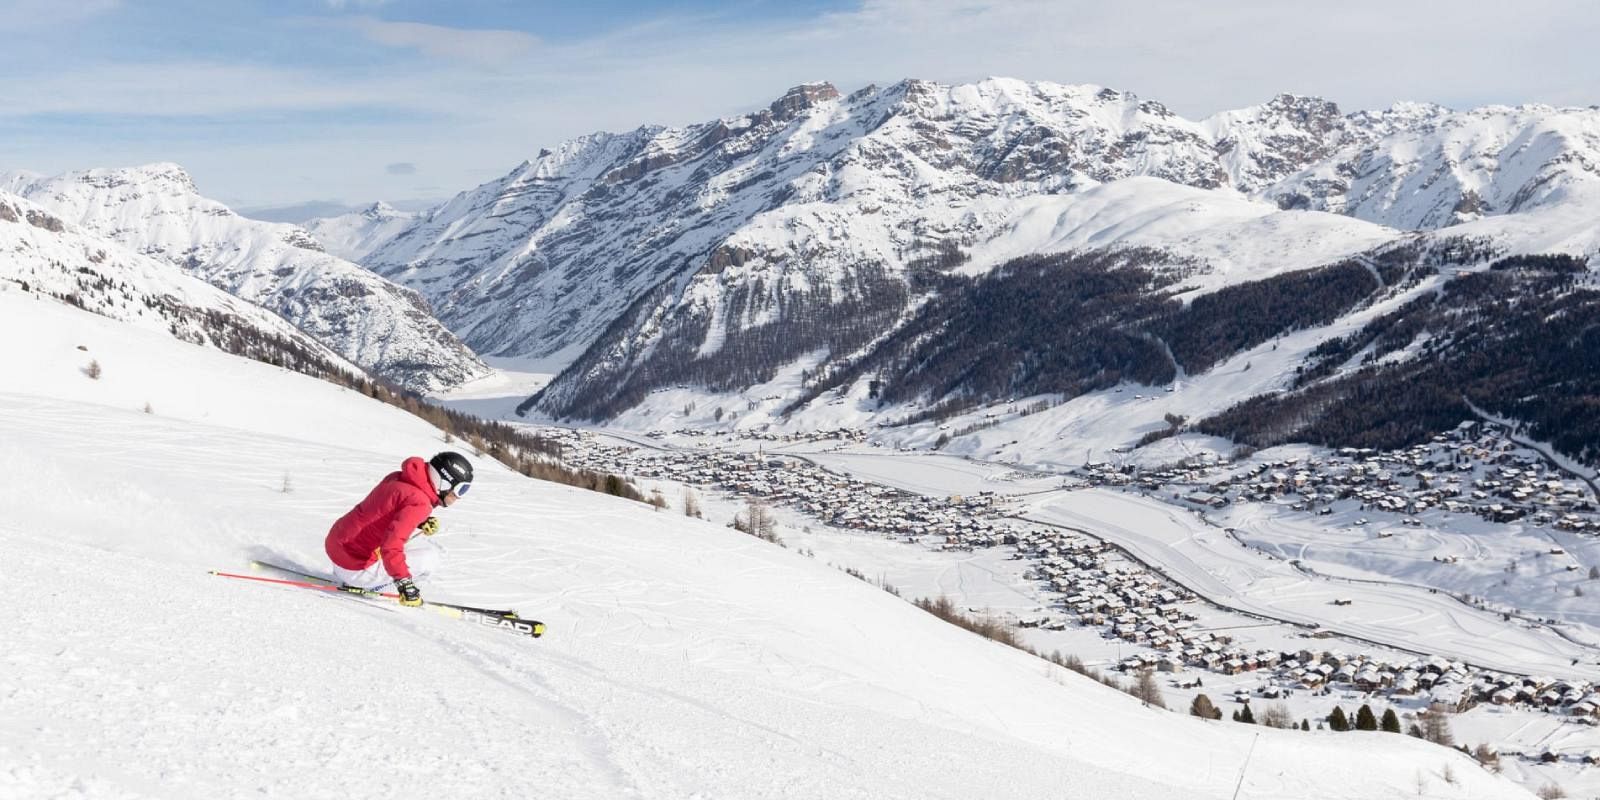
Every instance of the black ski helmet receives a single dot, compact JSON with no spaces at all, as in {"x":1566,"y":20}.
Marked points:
{"x":453,"y":468}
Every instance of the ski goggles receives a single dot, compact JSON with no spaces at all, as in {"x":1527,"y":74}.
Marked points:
{"x":460,"y":489}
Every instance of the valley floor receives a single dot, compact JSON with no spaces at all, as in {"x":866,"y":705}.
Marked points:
{"x":1391,"y":619}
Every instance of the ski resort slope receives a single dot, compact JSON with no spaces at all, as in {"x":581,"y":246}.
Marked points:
{"x":683,"y":660}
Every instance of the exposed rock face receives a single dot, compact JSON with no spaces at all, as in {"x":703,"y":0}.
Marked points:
{"x":801,"y":98}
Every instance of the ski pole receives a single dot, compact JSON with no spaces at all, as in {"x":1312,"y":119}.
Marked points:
{"x":328,"y":587}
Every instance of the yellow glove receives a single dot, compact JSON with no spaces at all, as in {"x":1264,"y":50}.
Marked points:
{"x":429,"y":526}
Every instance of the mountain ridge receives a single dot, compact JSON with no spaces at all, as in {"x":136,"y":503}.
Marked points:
{"x":158,"y":211}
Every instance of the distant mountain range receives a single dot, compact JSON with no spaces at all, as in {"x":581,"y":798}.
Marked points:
{"x":50,"y":257}
{"x":915,"y":253}
{"x":303,"y":213}
{"x":157,"y":211}
{"x":801,"y":248}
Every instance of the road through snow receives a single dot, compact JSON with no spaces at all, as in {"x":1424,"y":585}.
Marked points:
{"x":1213,"y":565}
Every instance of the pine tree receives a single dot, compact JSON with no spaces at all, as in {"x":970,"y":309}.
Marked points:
{"x":1391,"y":721}
{"x":1337,"y":720}
{"x":1365,"y":719}
{"x":1244,"y":715}
{"x":1203,"y":708}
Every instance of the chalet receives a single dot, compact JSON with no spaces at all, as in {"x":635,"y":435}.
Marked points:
{"x":1368,"y":680}
{"x":1451,"y":698}
{"x":1206,"y":499}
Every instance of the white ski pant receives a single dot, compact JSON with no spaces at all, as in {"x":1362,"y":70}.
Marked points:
{"x":423,"y":556}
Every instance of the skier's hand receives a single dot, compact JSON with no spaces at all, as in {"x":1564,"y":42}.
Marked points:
{"x":409,"y":594}
{"x":429,"y":526}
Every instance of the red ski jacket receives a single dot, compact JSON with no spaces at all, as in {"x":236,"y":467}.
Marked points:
{"x":379,"y":526}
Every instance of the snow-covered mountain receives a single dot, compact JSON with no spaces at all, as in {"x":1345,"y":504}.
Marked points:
{"x":1435,"y":168}
{"x":48,"y":257}
{"x":352,"y":236}
{"x":157,"y":211}
{"x":719,"y":253}
{"x":16,"y":181}
{"x":682,"y":659}
{"x":816,"y":206}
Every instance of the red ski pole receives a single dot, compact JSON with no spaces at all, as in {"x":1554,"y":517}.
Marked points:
{"x":307,"y":584}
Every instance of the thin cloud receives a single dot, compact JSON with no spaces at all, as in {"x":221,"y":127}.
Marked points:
{"x":401,"y":168}
{"x":20,"y":15}
{"x":183,"y":88}
{"x":479,"y":46}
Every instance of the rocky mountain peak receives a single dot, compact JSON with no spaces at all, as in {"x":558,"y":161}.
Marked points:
{"x":380,"y":211}
{"x":802,"y":97}
{"x":163,"y":176}
{"x":1309,"y":111}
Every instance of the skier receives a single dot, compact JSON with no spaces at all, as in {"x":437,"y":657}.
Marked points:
{"x":368,"y":544}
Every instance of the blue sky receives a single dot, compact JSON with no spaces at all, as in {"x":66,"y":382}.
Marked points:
{"x":275,"y":103}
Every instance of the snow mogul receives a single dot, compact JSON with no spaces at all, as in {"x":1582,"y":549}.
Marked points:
{"x":368,"y":544}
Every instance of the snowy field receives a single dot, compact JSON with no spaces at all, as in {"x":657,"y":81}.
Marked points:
{"x":1200,"y":556}
{"x":934,"y":475}
{"x":496,"y":395}
{"x":1509,"y":565}
{"x":683,"y":659}
{"x":1203,"y":558}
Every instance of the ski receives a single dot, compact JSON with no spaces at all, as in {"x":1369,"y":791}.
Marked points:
{"x":527,"y":627}
{"x":494,"y":612}
{"x":506,"y":622}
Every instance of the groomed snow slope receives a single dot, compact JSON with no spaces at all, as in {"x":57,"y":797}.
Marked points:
{"x":1239,"y":239}
{"x":683,"y":659}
